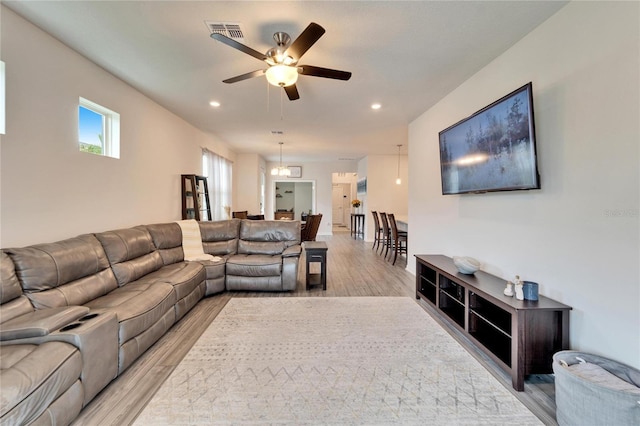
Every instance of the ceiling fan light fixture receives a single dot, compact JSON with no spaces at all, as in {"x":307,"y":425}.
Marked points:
{"x":282,"y":75}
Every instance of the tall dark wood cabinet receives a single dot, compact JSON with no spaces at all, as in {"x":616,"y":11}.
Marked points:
{"x":195,"y":198}
{"x":519,"y":335}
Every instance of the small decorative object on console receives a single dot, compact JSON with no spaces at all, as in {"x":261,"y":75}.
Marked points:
{"x":508,"y":291}
{"x":530,"y":290}
{"x":519,"y":290}
{"x":466,"y":265}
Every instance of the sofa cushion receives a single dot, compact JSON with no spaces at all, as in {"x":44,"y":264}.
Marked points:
{"x":131,"y":253}
{"x":183,"y":276}
{"x":9,"y":285}
{"x":261,"y":247}
{"x":236,"y":282}
{"x":64,"y":273}
{"x":267,"y":236}
{"x":77,"y":292}
{"x":167,"y":238}
{"x":46,"y":266}
{"x":14,"y":303}
{"x":137,"y":305}
{"x":254,"y":265}
{"x":65,"y":409}
{"x":214,"y":268}
{"x":215,"y":272}
{"x":34,"y":376}
{"x":220,"y":238}
{"x":15,"y":308}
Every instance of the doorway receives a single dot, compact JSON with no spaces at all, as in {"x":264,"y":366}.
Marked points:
{"x":340,"y":203}
{"x":294,"y":198}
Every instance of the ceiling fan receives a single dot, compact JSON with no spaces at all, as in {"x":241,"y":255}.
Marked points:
{"x":283,"y":60}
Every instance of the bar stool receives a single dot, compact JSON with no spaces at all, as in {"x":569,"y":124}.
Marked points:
{"x":399,"y":239}
{"x":386,"y":234}
{"x":377,"y":231}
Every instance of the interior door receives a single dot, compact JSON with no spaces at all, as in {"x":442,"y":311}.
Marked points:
{"x":337,"y":209}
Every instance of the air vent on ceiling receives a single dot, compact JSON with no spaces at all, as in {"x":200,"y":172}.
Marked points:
{"x":232,"y":30}
{"x":277,"y":132}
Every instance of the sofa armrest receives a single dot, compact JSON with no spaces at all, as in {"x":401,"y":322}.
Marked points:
{"x":293,"y":251}
{"x":41,"y":322}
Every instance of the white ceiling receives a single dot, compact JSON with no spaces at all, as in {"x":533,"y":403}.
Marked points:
{"x":404,"y":55}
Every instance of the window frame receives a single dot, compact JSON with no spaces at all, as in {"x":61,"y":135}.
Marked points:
{"x":110,"y":127}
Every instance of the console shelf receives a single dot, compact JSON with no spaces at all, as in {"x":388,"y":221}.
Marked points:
{"x":520,"y":335}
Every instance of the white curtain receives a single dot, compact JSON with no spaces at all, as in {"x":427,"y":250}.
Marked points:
{"x":218,"y":171}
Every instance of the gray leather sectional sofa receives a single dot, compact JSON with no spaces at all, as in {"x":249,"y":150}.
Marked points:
{"x":76,"y":313}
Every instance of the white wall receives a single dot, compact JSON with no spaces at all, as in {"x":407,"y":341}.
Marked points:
{"x":321,"y":174}
{"x":579,"y":235}
{"x":383,"y":194}
{"x":50,"y":190}
{"x":246,"y":183}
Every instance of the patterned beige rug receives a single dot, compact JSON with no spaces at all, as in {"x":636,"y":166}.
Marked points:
{"x":312,"y":361}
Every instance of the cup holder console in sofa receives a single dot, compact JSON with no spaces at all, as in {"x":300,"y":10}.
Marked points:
{"x":88,"y":317}
{"x":70,"y":326}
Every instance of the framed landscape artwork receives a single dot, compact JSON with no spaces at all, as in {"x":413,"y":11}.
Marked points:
{"x":492,"y":150}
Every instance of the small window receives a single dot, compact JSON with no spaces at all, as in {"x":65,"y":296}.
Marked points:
{"x":98,"y":129}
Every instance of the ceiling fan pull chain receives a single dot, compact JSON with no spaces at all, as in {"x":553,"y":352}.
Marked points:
{"x":281,"y":113}
{"x":268,"y":97}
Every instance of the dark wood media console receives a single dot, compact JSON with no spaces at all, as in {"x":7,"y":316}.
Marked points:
{"x":520,"y":335}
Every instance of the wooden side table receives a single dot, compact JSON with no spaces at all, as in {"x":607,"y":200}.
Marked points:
{"x":316,"y":252}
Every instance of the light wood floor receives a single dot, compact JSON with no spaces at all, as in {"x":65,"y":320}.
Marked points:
{"x":353,"y":269}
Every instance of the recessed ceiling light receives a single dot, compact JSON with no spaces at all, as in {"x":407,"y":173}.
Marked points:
{"x":376,"y":106}
{"x":214,"y":104}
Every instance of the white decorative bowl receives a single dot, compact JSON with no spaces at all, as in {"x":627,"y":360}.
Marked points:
{"x":466,"y":265}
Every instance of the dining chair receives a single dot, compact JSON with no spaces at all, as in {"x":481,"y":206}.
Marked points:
{"x":240,"y":215}
{"x":310,"y":229}
{"x":377,"y":231}
{"x":399,"y":239}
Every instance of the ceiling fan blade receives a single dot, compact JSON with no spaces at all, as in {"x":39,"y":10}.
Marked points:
{"x":292,"y":92}
{"x":246,"y":76}
{"x":239,"y":46}
{"x":309,"y":36}
{"x":323,"y":72}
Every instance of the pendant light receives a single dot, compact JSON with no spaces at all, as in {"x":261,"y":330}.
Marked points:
{"x":280,"y":170}
{"x":398,"y":180}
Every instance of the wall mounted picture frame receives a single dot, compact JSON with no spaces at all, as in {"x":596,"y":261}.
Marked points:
{"x":296,"y":171}
{"x":362,"y":186}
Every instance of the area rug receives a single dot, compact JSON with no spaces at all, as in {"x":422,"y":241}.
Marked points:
{"x":348,"y":360}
